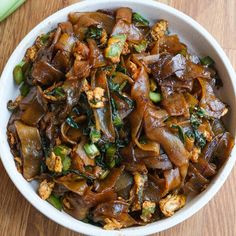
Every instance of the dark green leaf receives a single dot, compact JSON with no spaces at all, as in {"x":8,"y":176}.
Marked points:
{"x":180,"y":132}
{"x":121,"y":69}
{"x":200,"y":140}
{"x":100,"y":162}
{"x":190,"y":134}
{"x":70,"y":121}
{"x":44,"y":38}
{"x":94,"y":135}
{"x":201,"y":112}
{"x":207,"y":61}
{"x":59,"y":91}
{"x":195,"y":121}
{"x":139,"y":20}
{"x":24,"y":89}
{"x":117,"y":121}
{"x":94,"y":32}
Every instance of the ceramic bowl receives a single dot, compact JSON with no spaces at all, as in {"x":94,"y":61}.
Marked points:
{"x":192,"y":34}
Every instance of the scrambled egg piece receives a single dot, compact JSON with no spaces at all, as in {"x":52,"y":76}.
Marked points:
{"x":112,"y":224}
{"x":96,"y":97}
{"x":195,"y":154}
{"x":125,"y":49}
{"x":172,"y":203}
{"x":31,"y":53}
{"x":147,"y":210}
{"x":133,"y":69}
{"x":103,"y":38}
{"x":54,"y":163}
{"x":159,"y":29}
{"x":45,"y":189}
{"x":85,"y":86}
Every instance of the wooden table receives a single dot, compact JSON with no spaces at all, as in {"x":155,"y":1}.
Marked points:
{"x":18,"y":217}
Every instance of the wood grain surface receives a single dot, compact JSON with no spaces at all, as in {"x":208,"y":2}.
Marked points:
{"x":18,"y":217}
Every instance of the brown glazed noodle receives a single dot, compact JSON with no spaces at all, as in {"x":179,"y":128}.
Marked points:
{"x":116,"y":120}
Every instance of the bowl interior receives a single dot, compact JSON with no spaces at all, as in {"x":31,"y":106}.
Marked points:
{"x":198,"y":41}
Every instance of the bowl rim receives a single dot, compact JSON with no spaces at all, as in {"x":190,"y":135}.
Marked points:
{"x":69,"y":222}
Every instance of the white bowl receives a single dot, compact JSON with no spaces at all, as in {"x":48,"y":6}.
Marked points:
{"x":190,"y":32}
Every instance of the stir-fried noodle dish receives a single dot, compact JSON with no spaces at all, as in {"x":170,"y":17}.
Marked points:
{"x":116,"y":120}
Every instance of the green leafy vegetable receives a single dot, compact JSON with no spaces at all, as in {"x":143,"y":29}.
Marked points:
{"x":117,"y":121}
{"x":139,"y":20}
{"x":200,"y":140}
{"x":24,"y":89}
{"x":190,"y":134}
{"x":113,"y":86}
{"x":70,"y":121}
{"x":195,"y":121}
{"x":121,"y":69}
{"x":207,"y":61}
{"x":44,"y":38}
{"x":59,"y":91}
{"x":111,"y":156}
{"x":155,"y":97}
{"x":101,"y":162}
{"x":91,"y":150}
{"x":180,"y":132}
{"x":197,"y":113}
{"x":201,"y":112}
{"x":94,"y":135}
{"x":94,"y":32}
{"x":117,"y":89}
{"x":63,"y":152}
{"x":55,"y":201}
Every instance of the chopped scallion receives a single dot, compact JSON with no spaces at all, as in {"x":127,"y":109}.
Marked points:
{"x":155,"y":97}
{"x":104,"y":174}
{"x":66,"y":162}
{"x":18,"y":73}
{"x":91,"y":150}
{"x":55,"y":201}
{"x":61,"y":150}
